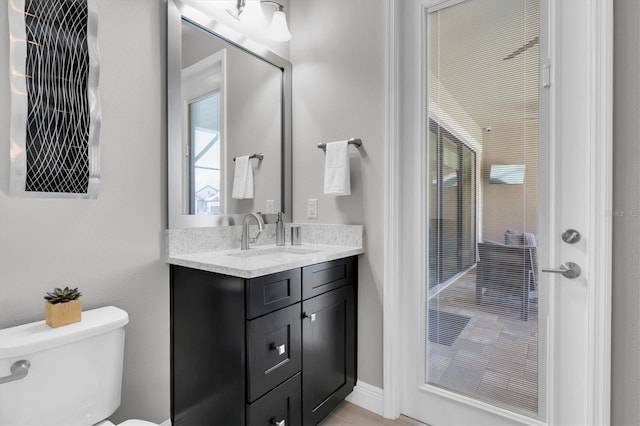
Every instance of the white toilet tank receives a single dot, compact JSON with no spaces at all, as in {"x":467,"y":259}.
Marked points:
{"x":75,"y":373}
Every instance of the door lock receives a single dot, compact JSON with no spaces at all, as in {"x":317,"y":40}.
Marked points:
{"x":570,"y":236}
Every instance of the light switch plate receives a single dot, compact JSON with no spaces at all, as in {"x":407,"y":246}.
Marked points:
{"x":270,"y":207}
{"x":312,"y":208}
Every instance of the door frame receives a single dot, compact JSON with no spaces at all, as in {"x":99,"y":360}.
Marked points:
{"x":403,"y":172}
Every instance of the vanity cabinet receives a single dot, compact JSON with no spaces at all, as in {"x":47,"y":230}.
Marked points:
{"x":279,"y":349}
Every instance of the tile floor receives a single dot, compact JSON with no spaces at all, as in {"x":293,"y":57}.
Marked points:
{"x":495,"y":358}
{"x":347,"y":414}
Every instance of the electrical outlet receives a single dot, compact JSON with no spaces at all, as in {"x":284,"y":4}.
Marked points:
{"x":270,"y":207}
{"x":312,"y":208}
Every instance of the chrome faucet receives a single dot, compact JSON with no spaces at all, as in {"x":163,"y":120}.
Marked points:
{"x":246,"y":239}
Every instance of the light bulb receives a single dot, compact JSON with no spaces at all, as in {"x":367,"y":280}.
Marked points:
{"x":252,"y":14}
{"x":279,"y":31}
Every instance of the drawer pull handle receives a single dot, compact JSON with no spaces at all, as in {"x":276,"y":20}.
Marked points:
{"x":312,"y":317}
{"x":281,"y":348}
{"x":278,"y":423}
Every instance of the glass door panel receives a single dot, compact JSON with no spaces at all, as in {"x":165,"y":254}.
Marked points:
{"x":482,"y":299}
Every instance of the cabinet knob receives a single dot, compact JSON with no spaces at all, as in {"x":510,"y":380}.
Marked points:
{"x":312,"y":317}
{"x":278,"y":423}
{"x":280,"y":348}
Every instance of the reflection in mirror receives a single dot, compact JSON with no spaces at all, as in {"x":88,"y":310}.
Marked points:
{"x":224,"y":102}
{"x":203,"y":92}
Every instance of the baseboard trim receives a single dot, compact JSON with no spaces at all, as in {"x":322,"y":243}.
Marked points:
{"x":368,"y":397}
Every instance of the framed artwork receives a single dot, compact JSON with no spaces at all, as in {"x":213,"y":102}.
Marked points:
{"x":55,"y":103}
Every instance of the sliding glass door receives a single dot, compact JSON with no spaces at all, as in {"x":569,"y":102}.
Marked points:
{"x":452,"y":214}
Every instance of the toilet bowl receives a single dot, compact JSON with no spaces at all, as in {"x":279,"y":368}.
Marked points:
{"x":69,"y":375}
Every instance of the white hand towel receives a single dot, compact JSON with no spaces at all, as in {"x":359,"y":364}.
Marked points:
{"x":243,"y":179}
{"x":337,"y":176}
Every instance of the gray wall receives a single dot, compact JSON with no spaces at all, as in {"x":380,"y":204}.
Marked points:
{"x":625,"y":397}
{"x":338,"y":92}
{"x":110,"y":247}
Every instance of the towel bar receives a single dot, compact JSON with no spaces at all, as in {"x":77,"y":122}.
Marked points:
{"x":258,"y":156}
{"x":352,"y":141}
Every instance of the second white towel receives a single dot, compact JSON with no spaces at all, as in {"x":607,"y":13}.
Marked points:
{"x":243,"y":179}
{"x":337,"y":175}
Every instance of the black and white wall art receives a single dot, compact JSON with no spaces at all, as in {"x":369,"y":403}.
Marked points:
{"x":55,"y":104}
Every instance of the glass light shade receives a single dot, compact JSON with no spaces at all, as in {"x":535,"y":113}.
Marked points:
{"x":279,"y":31}
{"x":252,"y":14}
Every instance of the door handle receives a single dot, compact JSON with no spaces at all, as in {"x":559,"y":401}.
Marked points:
{"x":567,"y":269}
{"x":19,"y":370}
{"x":312,"y":317}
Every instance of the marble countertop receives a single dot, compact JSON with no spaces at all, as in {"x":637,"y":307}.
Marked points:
{"x":263,"y":259}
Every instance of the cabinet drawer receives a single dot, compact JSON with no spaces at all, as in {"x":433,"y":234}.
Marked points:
{"x":274,"y":351}
{"x":281,"y":404}
{"x":271,"y":292}
{"x":327,"y":276}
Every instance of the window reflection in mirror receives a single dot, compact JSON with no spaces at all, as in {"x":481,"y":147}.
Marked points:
{"x":205,"y":143}
{"x":203,"y":92}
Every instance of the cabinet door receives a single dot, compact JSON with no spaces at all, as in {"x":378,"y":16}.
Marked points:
{"x":273,"y":350}
{"x":328,"y":352}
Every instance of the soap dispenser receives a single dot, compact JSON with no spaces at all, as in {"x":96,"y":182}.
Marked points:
{"x":279,"y":230}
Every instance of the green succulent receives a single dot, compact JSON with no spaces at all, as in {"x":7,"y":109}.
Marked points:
{"x":62,"y":296}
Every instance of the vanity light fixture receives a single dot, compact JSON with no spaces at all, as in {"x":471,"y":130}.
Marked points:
{"x":249,"y":12}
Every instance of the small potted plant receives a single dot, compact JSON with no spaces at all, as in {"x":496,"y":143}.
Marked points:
{"x":62,"y":307}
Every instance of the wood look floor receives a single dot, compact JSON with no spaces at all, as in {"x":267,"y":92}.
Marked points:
{"x":348,"y":414}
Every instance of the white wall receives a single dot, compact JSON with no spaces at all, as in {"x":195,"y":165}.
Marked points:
{"x":110,"y":247}
{"x":337,"y":53}
{"x":625,"y":399}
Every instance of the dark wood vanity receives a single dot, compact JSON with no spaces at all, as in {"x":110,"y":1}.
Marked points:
{"x":278,"y":349}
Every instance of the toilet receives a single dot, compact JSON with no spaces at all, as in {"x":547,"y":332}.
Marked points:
{"x":74,"y":374}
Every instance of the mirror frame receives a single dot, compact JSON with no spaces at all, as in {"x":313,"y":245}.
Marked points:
{"x":177,"y":12}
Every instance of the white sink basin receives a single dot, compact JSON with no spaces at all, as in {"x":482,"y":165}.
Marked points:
{"x":271,"y":251}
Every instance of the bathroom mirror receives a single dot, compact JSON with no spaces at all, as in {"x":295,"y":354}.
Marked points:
{"x":227,"y":98}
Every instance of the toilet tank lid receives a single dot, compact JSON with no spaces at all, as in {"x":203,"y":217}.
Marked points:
{"x":38,"y":336}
